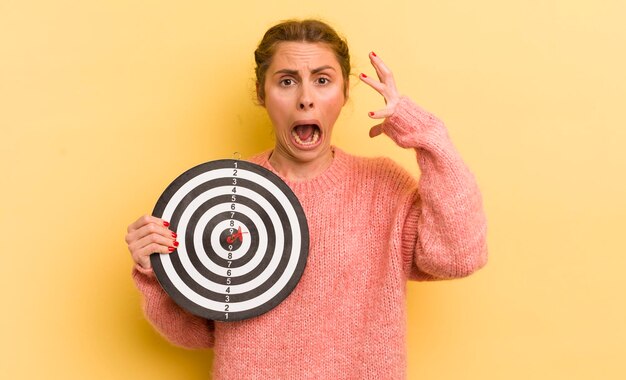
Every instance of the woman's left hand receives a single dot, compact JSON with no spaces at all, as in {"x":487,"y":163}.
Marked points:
{"x":386,"y":86}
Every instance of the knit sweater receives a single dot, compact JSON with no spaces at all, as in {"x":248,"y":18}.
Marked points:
{"x":372,"y":227}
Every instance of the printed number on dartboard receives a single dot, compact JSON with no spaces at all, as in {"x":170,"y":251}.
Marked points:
{"x":231,"y":230}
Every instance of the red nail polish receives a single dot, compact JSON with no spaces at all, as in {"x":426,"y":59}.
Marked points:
{"x":166,"y":224}
{"x":176,"y":243}
{"x":171,"y":249}
{"x":371,"y":113}
{"x":174,"y":235}
{"x":374,"y":54}
{"x":363,"y":75}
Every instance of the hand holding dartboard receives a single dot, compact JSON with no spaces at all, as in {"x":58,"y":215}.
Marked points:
{"x":243,"y":240}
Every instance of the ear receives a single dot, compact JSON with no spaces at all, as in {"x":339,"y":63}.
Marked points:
{"x":346,"y":93}
{"x":258,"y":96}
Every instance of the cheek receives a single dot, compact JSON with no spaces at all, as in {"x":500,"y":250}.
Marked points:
{"x":335,"y":103}
{"x":273,"y":104}
{"x":277,"y":114}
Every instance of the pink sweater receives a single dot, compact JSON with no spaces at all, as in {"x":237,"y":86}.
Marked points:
{"x":371,"y":228}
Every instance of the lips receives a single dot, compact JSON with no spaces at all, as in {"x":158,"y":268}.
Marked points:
{"x":306,"y":134}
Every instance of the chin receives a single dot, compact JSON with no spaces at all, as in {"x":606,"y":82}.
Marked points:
{"x":305,"y":155}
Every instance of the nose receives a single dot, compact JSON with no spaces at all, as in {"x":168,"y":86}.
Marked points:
{"x":304,"y":106}
{"x":305,"y":100}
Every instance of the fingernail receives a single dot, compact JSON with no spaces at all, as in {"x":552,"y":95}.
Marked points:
{"x":166,"y":224}
{"x":374,"y":54}
{"x":363,"y":75}
{"x":371,"y":113}
{"x":171,"y":249}
{"x":174,"y":235}
{"x":176,"y":243}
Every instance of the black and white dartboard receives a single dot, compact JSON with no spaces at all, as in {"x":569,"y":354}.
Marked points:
{"x":243,"y":236}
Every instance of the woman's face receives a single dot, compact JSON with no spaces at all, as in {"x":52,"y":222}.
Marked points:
{"x":304,"y":94}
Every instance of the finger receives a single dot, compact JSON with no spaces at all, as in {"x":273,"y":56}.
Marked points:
{"x":389,"y":92}
{"x":380,"y":114}
{"x":385,"y":76}
{"x":383,"y":72}
{"x":376,"y":130}
{"x":148,"y":229}
{"x":160,"y":240}
{"x":379,"y":87}
{"x":146,"y":219}
{"x":142,"y":256}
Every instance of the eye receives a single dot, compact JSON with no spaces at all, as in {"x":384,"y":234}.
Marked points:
{"x":323,"y":80}
{"x":286,"y":82}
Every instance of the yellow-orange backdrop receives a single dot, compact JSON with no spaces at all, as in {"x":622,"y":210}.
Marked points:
{"x":102,"y":104}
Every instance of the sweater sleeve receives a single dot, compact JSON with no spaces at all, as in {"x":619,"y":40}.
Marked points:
{"x":444,"y":233}
{"x":174,"y":323}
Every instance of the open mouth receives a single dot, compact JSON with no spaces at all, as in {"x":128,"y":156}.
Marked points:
{"x":306,"y":135}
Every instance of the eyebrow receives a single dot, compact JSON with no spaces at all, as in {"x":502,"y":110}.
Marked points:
{"x":295,"y":72}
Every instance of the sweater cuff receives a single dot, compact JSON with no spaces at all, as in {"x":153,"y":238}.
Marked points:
{"x":145,"y":280}
{"x":146,"y":272}
{"x":411,"y":126}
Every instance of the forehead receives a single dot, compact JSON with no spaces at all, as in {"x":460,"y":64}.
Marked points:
{"x":303,"y":54}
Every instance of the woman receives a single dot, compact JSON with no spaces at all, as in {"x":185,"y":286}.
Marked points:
{"x":371,"y":226}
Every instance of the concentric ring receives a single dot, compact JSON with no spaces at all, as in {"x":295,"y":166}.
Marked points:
{"x":243,"y":236}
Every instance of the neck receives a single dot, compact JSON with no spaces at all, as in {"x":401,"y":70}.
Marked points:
{"x":298,"y":170}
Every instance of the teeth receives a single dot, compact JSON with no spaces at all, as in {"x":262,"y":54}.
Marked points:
{"x":312,"y":140}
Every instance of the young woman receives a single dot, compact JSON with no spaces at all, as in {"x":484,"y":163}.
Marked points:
{"x":372,"y":225}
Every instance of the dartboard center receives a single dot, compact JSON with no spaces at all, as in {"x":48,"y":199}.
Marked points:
{"x":232,"y":238}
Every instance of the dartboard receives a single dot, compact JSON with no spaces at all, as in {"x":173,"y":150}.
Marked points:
{"x":243,"y":240}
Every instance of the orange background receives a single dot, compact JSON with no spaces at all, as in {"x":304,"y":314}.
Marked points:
{"x":102,"y":104}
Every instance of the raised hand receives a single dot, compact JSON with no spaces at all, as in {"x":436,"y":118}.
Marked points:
{"x":386,"y":86}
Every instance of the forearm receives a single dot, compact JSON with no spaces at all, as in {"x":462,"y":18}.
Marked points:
{"x":175,"y":324}
{"x":446,"y":225}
